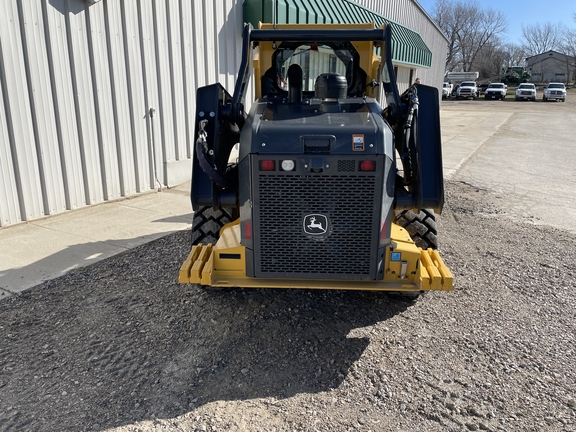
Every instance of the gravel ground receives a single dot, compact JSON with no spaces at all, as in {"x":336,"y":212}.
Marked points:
{"x":121,"y":346}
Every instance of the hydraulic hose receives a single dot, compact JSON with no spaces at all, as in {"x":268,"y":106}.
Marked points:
{"x":410,"y":159}
{"x":202,"y":153}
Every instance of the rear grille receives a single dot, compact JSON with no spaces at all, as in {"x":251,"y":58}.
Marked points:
{"x":287,"y":251}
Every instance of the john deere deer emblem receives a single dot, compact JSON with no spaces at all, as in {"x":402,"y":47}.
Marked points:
{"x":315,"y":224}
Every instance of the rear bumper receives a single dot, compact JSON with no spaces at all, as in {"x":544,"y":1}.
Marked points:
{"x":408,"y":268}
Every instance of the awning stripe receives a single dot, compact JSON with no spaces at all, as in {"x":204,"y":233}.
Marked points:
{"x":408,"y":47}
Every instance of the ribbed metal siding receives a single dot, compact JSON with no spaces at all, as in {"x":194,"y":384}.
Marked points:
{"x":77,"y":84}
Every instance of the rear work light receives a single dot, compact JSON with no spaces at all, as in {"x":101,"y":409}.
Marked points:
{"x":267,"y":165}
{"x":287,"y":165}
{"x":368,"y":165}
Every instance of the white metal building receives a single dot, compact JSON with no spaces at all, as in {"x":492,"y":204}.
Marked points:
{"x":98,"y":96}
{"x":551,"y":66}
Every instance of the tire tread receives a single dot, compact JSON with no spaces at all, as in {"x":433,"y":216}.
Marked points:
{"x":207,"y":222}
{"x":421,"y":227}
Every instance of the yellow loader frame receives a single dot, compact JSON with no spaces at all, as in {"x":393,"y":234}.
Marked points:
{"x":409,"y":268}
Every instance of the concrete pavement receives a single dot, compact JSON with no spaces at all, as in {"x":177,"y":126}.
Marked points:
{"x":528,"y":164}
{"x":464,"y":133}
{"x":43,"y":249}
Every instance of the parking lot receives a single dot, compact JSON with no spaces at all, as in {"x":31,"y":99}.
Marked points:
{"x":510,"y":95}
{"x":527,"y":154}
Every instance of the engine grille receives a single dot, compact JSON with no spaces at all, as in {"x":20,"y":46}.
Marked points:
{"x":285,"y":248}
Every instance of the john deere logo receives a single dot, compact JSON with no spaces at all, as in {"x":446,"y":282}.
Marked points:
{"x":315,"y":224}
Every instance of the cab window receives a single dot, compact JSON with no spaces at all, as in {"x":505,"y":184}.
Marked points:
{"x":314,"y":59}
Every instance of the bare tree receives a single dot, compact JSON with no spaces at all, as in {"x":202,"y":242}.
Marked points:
{"x":486,"y":28}
{"x":539,"y":38}
{"x":469,"y":29}
{"x":514,"y":55}
{"x":568,"y":48}
{"x":490,"y":60}
{"x":448,"y":22}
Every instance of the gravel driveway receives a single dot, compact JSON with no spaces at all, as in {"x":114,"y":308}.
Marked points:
{"x":121,"y":346}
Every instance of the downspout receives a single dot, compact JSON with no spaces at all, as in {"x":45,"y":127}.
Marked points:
{"x":151,"y":112}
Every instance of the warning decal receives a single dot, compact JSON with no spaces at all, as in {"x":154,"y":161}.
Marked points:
{"x":358,"y":142}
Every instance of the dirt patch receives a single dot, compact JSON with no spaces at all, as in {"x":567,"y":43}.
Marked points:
{"x":121,"y":346}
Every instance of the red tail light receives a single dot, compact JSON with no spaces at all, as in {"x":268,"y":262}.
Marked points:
{"x":267,"y":165}
{"x":368,"y":165}
{"x":248,"y":230}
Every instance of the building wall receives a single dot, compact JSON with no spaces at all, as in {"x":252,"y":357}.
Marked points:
{"x":410,"y":14}
{"x":78,"y":82}
{"x":551,"y":66}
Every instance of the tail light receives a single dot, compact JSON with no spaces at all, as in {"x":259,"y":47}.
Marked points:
{"x":267,"y":165}
{"x":368,"y":165}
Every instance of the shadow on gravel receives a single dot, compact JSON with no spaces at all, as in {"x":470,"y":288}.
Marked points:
{"x":120,"y":342}
{"x":275,"y":344}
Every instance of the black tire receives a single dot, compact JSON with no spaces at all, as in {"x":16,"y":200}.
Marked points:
{"x":421,"y":227}
{"x":207,"y":222}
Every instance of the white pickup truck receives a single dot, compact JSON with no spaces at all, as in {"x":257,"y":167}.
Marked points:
{"x":467,"y":89}
{"x":496,"y":91}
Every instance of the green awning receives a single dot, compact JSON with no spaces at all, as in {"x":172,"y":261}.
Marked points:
{"x":407,"y":45}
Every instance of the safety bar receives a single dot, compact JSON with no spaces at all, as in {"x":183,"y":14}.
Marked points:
{"x":357,"y":35}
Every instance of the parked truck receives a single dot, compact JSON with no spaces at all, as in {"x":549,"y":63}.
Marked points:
{"x":467,"y":90}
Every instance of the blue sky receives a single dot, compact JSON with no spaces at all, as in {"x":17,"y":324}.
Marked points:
{"x":525,"y":12}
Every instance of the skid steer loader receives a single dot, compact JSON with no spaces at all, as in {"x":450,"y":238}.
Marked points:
{"x":328,"y":189}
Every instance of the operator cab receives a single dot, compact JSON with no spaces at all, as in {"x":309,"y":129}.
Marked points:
{"x":294,"y":61}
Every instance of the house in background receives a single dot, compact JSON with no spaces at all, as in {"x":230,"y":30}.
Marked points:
{"x":552,"y":66}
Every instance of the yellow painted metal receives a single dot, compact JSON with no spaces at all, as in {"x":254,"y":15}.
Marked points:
{"x":369,"y":61}
{"x":224,"y":264}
